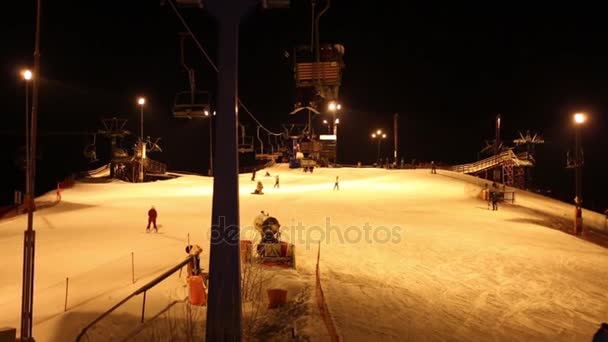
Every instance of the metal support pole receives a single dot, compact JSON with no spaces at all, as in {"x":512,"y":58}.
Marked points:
{"x":143,"y":307}
{"x":141,"y":137}
{"x":27,"y":144}
{"x":132,"y":267}
{"x":29,"y":238}
{"x":396,"y":123}
{"x":211,"y":143}
{"x":578,"y":199}
{"x":67,"y":284}
{"x":224,"y":305}
{"x":378,"y":156}
{"x":336,"y":144}
{"x":497,"y":171}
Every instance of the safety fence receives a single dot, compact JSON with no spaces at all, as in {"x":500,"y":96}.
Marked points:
{"x":322,"y":304}
{"x":76,"y":291}
{"x":143,"y":291}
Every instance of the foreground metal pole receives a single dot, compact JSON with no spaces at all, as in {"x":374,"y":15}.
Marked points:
{"x":29,"y":238}
{"x":224,"y":304}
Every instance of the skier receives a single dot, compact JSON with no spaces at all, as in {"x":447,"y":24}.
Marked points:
{"x":337,"y":183}
{"x":433,"y":169}
{"x":494,"y":196}
{"x":276,"y":182}
{"x":194,"y":267}
{"x":152,"y":214}
{"x":253,"y":175}
{"x":267,"y":174}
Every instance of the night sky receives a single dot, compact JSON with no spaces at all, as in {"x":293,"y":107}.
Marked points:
{"x":447,"y":69}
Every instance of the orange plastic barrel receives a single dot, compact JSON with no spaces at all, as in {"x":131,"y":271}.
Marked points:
{"x":276,"y":298}
{"x":198,"y":296}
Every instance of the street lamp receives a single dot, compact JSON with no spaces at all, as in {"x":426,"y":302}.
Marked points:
{"x":380,"y":136}
{"x":579,"y":119}
{"x":141,"y":102}
{"x":27,"y":76}
{"x":334,"y":107}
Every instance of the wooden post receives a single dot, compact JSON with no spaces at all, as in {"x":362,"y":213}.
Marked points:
{"x":65,"y":305}
{"x":133,"y":267}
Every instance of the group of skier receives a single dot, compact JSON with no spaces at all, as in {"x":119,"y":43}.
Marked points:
{"x":259,"y":189}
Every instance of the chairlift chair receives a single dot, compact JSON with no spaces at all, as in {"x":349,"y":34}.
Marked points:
{"x":190,"y":105}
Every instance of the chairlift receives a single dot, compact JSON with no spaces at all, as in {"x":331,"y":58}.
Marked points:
{"x":190,"y":105}
{"x":245,"y":142}
{"x":90,"y":151}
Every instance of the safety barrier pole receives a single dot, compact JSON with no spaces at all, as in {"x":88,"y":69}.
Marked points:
{"x":133,"y":267}
{"x":65,"y":305}
{"x":143,"y":307}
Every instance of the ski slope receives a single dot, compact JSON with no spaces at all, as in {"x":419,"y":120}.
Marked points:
{"x":405,"y":255}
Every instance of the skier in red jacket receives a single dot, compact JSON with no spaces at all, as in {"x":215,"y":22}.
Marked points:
{"x":152,"y":219}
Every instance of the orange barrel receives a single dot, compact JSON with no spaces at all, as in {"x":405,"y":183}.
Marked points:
{"x":276,"y":298}
{"x":198,"y":296}
{"x":246,"y":250}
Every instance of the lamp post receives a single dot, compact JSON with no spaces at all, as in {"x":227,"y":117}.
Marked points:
{"x":579,"y":119}
{"x":334,"y":107}
{"x":378,"y":134}
{"x":141,"y":102}
{"x":29,"y":236}
{"x":27,"y":76}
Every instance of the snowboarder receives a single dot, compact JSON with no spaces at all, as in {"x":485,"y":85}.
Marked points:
{"x":601,"y":335}
{"x":253,"y":175}
{"x":267,"y":174}
{"x":337,"y":183}
{"x":276,"y":182}
{"x":152,"y":214}
{"x":194,"y":267}
{"x":433,"y":169}
{"x":259,"y":188}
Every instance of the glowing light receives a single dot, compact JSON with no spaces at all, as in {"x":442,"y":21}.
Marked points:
{"x":332,"y":106}
{"x":141,"y":101}
{"x":383,"y":135}
{"x":373,"y":135}
{"x":325,"y":122}
{"x":579,"y":118}
{"x":379,"y":132}
{"x":337,"y":121}
{"x":27,"y":75}
{"x":206,"y":113}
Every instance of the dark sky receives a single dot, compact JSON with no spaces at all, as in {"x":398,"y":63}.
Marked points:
{"x":447,"y":69}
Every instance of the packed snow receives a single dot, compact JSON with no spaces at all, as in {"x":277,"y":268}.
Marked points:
{"x":405,"y":255}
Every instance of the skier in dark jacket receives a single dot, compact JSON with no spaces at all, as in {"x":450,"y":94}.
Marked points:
{"x":152,"y":214}
{"x":276,"y":181}
{"x":494,"y":193}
